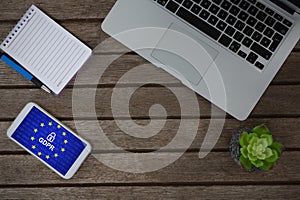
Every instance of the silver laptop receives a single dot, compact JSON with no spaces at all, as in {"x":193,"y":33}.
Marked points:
{"x":234,"y":47}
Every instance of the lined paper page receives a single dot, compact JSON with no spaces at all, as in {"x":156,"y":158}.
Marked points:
{"x":46,"y":50}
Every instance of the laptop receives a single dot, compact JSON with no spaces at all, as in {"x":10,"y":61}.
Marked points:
{"x":227,"y":51}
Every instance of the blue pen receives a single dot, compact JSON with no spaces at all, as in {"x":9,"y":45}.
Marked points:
{"x":9,"y":61}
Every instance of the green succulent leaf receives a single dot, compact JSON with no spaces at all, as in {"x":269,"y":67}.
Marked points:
{"x":244,"y":152}
{"x":267,"y":165}
{"x":246,"y":163}
{"x":268,"y":137}
{"x":259,"y":130}
{"x":252,"y":138}
{"x":263,"y":142}
{"x":252,"y":157}
{"x":257,"y":163}
{"x":268,"y":152}
{"x":274,"y":157}
{"x":278,"y":147}
{"x":244,"y":139}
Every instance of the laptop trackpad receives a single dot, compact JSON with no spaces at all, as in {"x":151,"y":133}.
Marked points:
{"x":184,"y":54}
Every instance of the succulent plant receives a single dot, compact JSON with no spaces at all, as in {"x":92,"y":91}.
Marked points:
{"x":258,"y":149}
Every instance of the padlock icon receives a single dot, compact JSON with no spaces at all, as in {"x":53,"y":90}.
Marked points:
{"x":51,"y":137}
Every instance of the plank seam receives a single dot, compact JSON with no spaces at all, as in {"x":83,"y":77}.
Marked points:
{"x":154,"y":184}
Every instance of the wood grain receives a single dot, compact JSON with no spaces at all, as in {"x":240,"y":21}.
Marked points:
{"x":289,"y":73}
{"x":156,"y":192}
{"x":284,"y":130}
{"x":216,"y":167}
{"x":273,"y":103}
{"x":216,"y":176}
{"x":59,"y":10}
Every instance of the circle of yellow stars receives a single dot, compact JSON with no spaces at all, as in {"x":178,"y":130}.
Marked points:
{"x":40,"y":153}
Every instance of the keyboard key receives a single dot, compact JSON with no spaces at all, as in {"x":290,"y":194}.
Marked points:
{"x":239,"y":25}
{"x":162,"y":2}
{"x":179,"y":1}
{"x":205,"y":4}
{"x":269,"y":11}
{"x":217,"y":1}
{"x":244,"y":5}
{"x":225,"y":40}
{"x":256,"y":36}
{"x":265,"y":42}
{"x":238,"y":36}
{"x":252,"y":1}
{"x":213,"y":20}
{"x":247,"y":42}
{"x":260,"y":5}
{"x":277,"y":38}
{"x":231,"y":20}
{"x":278,"y":17}
{"x":204,"y":14}
{"x":196,"y":9}
{"x":235,"y":46}
{"x":270,"y":21}
{"x":248,"y":31}
{"x":199,"y":23}
{"x":252,"y":57}
{"x":251,"y":21}
{"x":259,"y":65}
{"x":243,"y":16}
{"x":252,"y":10}
{"x":230,"y":31}
{"x":214,"y":9}
{"x":221,"y":25}
{"x":234,"y":10}
{"x":261,"y":16}
{"x":281,"y":28}
{"x":235,"y":2}
{"x":287,"y":22}
{"x":196,"y":1}
{"x":260,"y":50}
{"x":187,"y":4}
{"x":269,"y":32}
{"x":222,"y":14}
{"x":172,"y":6}
{"x":260,"y":27}
{"x":226,"y":5}
{"x":242,"y":54}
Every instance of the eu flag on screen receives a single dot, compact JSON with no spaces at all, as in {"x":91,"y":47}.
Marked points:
{"x":49,"y":140}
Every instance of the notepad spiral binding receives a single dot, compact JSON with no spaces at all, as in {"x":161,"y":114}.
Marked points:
{"x":18,"y":28}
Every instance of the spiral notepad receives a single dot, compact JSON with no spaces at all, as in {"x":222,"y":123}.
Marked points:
{"x":45,"y":49}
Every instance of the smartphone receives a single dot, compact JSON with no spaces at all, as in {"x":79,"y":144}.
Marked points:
{"x":49,"y":140}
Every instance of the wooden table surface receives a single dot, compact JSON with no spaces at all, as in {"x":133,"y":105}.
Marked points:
{"x":214,"y":177}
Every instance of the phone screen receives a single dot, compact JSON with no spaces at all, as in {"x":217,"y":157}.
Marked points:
{"x":49,"y":140}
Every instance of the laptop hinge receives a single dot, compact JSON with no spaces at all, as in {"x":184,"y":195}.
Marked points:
{"x":283,"y":6}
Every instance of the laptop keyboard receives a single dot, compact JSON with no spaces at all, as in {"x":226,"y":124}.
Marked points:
{"x":246,"y":27}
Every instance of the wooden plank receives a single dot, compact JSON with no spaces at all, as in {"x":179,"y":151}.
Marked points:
{"x":217,"y":167}
{"x":285,"y":130}
{"x":59,"y":10}
{"x":290,"y":192}
{"x":297,"y":46}
{"x":273,"y":103}
{"x":288,"y":73}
